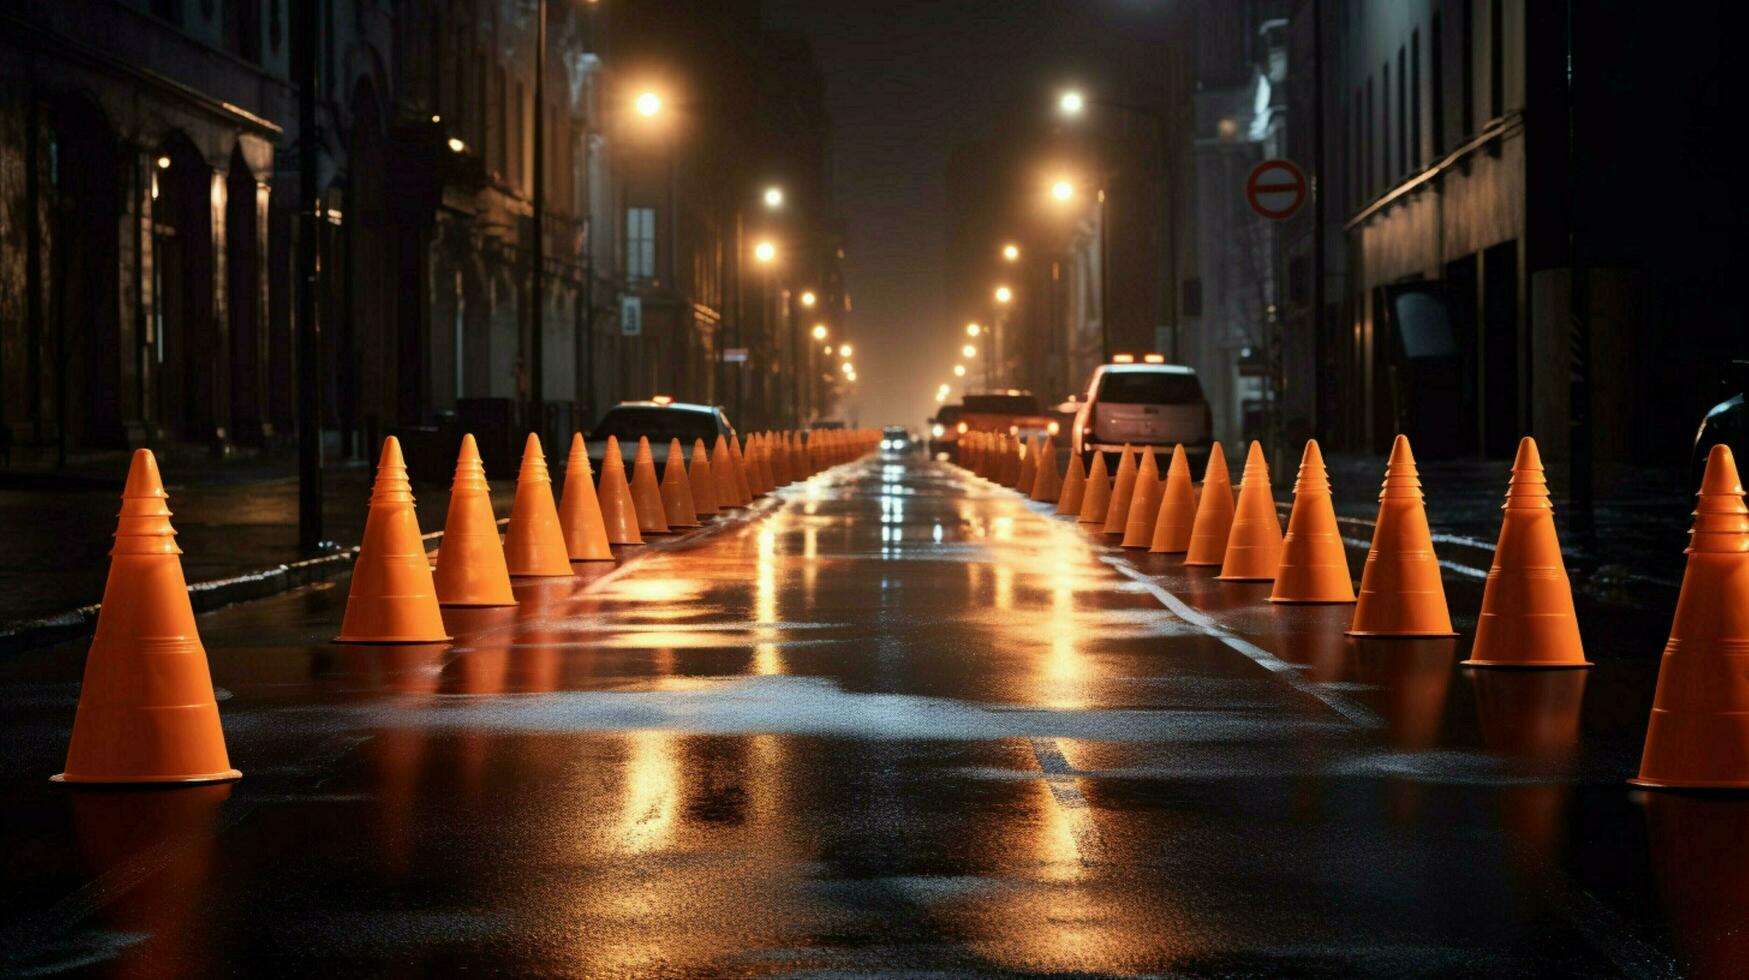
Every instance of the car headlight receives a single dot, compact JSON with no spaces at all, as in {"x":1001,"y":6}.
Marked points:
{"x":938,"y":430}
{"x":886,"y":443}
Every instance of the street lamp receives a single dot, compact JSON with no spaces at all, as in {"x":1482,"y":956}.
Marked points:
{"x":844,"y":350}
{"x":1071,"y":103}
{"x":764,"y":253}
{"x":969,"y":351}
{"x":774,"y":197}
{"x":647,"y":103}
{"x":1004,"y":294}
{"x":973,"y":329}
{"x":808,"y":298}
{"x":820,"y":332}
{"x":847,"y":368}
{"x":1062,"y":190}
{"x":1010,"y":252}
{"x":959,"y":370}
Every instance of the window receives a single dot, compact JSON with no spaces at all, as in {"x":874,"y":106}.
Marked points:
{"x":1384,"y":150}
{"x":1436,"y":75}
{"x":1415,"y":141}
{"x":1404,"y":94}
{"x":640,"y":243}
{"x":1496,"y":61}
{"x":1467,"y":104}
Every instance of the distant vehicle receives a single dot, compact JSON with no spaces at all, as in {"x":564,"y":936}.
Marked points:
{"x":661,"y":420}
{"x":897,"y":439}
{"x":1014,"y":412}
{"x":944,"y":432}
{"x":1143,"y":404}
{"x":1726,"y":423}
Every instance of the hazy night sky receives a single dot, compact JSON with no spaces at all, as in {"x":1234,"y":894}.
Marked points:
{"x":905,"y":82}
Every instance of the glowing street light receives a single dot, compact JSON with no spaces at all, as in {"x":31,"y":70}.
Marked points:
{"x":457,"y":146}
{"x":764,"y":252}
{"x":1062,"y":190}
{"x":847,"y":368}
{"x":1004,"y":294}
{"x":973,"y":329}
{"x":844,"y":350}
{"x":1071,"y":103}
{"x":959,"y":370}
{"x":1011,"y":252}
{"x":808,"y":298}
{"x":774,"y":197}
{"x":647,"y":104}
{"x":820,"y":332}
{"x":969,"y":351}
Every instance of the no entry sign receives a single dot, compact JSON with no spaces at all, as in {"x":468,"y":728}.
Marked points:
{"x":1276,"y":189}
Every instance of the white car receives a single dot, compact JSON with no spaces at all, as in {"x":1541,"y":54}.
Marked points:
{"x":1143,"y":404}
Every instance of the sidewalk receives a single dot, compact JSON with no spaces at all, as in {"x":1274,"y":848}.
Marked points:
{"x":236,"y":519}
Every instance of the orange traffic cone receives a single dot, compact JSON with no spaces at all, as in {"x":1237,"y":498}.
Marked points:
{"x":580,"y":517}
{"x":146,"y":708}
{"x":618,"y":513}
{"x":646,"y":492}
{"x":724,"y":476}
{"x":470,"y":563}
{"x":1144,"y":503}
{"x":1123,"y":493}
{"x":773,"y":445}
{"x":1214,"y":513}
{"x":1177,"y":507}
{"x":1024,"y":480}
{"x":738,"y":468}
{"x":393,"y":599}
{"x":762,"y":458}
{"x":1699,"y":733}
{"x":677,"y":503}
{"x":703,"y":481}
{"x":1046,"y":484}
{"x":1314,"y":564}
{"x":1096,"y":498}
{"x":1074,"y":488}
{"x":1527,"y":617}
{"x":1400,"y":590}
{"x":1254,"y":542}
{"x":534,"y":543}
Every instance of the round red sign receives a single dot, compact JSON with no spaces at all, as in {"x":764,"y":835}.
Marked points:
{"x":1276,"y":189}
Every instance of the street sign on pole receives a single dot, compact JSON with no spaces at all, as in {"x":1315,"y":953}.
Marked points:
{"x":631,"y":316}
{"x":1276,"y":189}
{"x":734,"y":355}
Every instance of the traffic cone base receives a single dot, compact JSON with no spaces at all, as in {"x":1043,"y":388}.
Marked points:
{"x":1527,"y":617}
{"x":471,"y":570}
{"x":1214,"y":513}
{"x":146,"y":711}
{"x":1401,"y":593}
{"x":393,"y":598}
{"x":1254,"y":540}
{"x":1698,"y":735}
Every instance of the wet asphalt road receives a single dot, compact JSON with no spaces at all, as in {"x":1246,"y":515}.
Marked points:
{"x":894,"y":721}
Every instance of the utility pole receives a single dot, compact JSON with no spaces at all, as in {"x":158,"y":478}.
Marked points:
{"x":537,"y":250}
{"x":1318,"y":208}
{"x":309,"y":266}
{"x":1579,"y":331}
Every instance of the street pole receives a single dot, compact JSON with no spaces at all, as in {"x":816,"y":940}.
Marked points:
{"x":1104,"y":281}
{"x":1579,"y":383}
{"x":537,"y":251}
{"x":1318,"y":208}
{"x":309,"y":378}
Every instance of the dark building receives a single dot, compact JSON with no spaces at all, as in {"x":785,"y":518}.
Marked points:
{"x":148,"y":183}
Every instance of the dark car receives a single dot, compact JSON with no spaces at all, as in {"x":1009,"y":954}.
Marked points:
{"x":897,"y":439}
{"x":1727,"y":423}
{"x":661,"y":421}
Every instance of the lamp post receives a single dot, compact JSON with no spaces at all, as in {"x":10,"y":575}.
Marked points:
{"x":538,"y":230}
